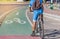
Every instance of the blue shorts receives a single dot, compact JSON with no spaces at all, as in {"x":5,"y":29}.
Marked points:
{"x":36,"y":13}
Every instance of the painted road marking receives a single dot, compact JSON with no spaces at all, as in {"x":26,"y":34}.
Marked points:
{"x":17,"y":13}
{"x":8,"y":22}
{"x":52,"y":16}
{"x":17,"y":20}
{"x":22,"y":27}
{"x":28,"y":18}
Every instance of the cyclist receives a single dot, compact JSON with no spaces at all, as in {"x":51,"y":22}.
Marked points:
{"x":36,"y":13}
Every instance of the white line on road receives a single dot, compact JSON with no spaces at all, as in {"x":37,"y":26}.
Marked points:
{"x":52,"y":16}
{"x":28,"y":18}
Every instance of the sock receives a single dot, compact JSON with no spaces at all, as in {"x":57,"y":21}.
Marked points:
{"x":33,"y":31}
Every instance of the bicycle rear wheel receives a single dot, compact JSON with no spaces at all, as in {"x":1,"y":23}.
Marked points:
{"x":41,"y":30}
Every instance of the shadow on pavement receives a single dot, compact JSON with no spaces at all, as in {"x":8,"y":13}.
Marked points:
{"x":52,"y":34}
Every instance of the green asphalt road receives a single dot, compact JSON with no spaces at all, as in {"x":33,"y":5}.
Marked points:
{"x":16,"y":23}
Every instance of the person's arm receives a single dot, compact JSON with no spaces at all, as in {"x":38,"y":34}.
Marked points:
{"x":30,"y":9}
{"x":42,"y":4}
{"x":30,"y":5}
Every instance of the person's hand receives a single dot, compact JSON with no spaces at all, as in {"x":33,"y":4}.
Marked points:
{"x":30,"y":9}
{"x":43,"y":6}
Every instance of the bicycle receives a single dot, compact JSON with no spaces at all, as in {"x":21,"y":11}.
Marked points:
{"x":40,"y":28}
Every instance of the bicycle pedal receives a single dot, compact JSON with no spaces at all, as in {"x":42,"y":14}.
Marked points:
{"x":37,"y":33}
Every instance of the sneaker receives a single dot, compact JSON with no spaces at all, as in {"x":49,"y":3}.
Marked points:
{"x":42,"y":38}
{"x":33,"y":33}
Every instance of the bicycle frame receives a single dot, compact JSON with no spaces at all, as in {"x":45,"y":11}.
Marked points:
{"x":40,"y":28}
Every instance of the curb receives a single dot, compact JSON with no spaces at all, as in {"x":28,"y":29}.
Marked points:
{"x":14,"y":3}
{"x":7,"y":12}
{"x":2,"y":17}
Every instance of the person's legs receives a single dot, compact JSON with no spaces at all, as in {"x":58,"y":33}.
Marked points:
{"x":35,"y":16}
{"x":33,"y":26}
{"x":42,"y":22}
{"x":42,"y":18}
{"x":41,"y":15}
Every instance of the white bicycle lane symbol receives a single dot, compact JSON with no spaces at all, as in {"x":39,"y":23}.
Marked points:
{"x":17,"y":20}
